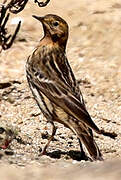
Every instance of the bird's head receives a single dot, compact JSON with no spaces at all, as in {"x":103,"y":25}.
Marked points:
{"x":55,"y":28}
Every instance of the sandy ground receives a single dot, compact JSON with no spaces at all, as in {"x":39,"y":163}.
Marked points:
{"x":94,"y":49}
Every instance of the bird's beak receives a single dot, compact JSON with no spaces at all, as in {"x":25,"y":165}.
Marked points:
{"x":39,"y":18}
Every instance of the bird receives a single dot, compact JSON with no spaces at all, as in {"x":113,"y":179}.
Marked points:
{"x":55,"y":88}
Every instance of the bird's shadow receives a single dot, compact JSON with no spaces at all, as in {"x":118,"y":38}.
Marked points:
{"x":75,"y":155}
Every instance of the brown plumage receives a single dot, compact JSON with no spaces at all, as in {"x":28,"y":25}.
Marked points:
{"x":54,"y":86}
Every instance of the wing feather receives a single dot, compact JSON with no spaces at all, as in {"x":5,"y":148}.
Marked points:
{"x":60,"y":87}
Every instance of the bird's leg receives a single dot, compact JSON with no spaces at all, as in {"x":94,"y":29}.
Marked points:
{"x":81,"y":148}
{"x":54,"y":128}
{"x":83,"y":155}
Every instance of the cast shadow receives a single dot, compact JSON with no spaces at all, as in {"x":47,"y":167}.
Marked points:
{"x":75,"y":155}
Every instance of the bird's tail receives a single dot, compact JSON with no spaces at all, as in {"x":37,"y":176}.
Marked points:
{"x":91,"y":146}
{"x":85,"y":135}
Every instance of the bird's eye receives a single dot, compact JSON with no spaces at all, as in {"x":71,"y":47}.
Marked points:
{"x":56,"y":23}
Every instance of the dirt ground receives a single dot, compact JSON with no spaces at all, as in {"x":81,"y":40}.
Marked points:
{"x":94,"y":51}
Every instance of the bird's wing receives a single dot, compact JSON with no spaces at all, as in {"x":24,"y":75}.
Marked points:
{"x":60,"y":87}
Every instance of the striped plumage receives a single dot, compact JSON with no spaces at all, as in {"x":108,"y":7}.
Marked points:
{"x":54,"y":86}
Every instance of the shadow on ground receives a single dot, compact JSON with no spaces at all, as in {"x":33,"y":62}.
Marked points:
{"x":75,"y":155}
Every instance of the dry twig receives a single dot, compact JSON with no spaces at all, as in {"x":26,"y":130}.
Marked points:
{"x":16,"y":6}
{"x":42,"y":4}
{"x":6,"y":40}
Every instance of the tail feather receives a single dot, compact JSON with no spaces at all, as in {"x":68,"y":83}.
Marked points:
{"x":91,"y":146}
{"x":85,"y":135}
